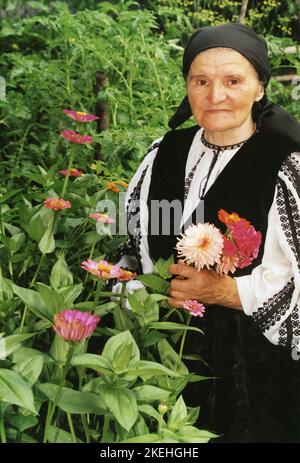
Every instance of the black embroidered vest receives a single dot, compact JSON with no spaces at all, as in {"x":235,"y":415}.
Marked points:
{"x":256,"y":396}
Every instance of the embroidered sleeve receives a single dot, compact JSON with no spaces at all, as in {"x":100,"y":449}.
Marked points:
{"x":271,"y":294}
{"x":129,"y":253}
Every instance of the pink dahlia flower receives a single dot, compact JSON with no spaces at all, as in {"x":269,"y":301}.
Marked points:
{"x":194,"y":307}
{"x":201,"y":245}
{"x":74,"y":325}
{"x":79,"y":116}
{"x":57,"y":204}
{"x":75,"y":137}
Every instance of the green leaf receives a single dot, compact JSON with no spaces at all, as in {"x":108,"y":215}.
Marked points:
{"x":93,"y":361}
{"x":22,"y":422}
{"x":76,"y":402}
{"x":113,"y":344}
{"x":52,"y":300}
{"x":122,"y":357}
{"x":35,"y":177}
{"x":70,"y":293}
{"x":14,"y":390}
{"x":178,"y":415}
{"x":31,"y":368}
{"x":122,"y":403}
{"x":47,"y":244}
{"x":150,"y":393}
{"x":34,"y":301}
{"x":161,"y":267}
{"x":153,"y":337}
{"x":173,"y":326}
{"x":145,"y":368}
{"x":59,"y":436}
{"x":190,"y":434}
{"x":11,"y":343}
{"x":154,"y":282}
{"x":35,"y":229}
{"x":10,"y":194}
{"x":60,"y":274}
{"x":169,"y":357}
{"x":150,"y":411}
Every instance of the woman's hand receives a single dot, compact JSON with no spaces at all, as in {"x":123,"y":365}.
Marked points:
{"x":206,"y":286}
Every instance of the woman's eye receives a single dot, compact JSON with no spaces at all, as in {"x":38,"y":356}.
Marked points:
{"x":201,"y":82}
{"x":233,"y":81}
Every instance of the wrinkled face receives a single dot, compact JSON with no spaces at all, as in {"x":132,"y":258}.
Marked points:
{"x":222,"y":86}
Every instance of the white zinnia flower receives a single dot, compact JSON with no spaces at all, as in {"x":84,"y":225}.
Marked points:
{"x":201,"y":245}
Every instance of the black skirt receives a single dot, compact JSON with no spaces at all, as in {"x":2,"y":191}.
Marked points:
{"x":255,"y":396}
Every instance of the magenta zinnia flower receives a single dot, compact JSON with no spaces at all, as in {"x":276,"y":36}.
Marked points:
{"x":103,"y":218}
{"x":75,"y":137}
{"x":201,"y":245}
{"x":79,"y":116}
{"x":72,"y":172}
{"x":57,"y":204}
{"x":194,"y":307}
{"x":74,"y":325}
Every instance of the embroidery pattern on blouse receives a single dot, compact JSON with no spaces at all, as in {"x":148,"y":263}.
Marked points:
{"x":289,"y":331}
{"x":291,"y":169}
{"x":274,"y":309}
{"x":289,"y":218}
{"x":221,"y":148}
{"x":133,"y":216}
{"x":189,"y":178}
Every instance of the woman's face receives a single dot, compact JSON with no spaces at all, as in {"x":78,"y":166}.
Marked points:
{"x":222,"y":86}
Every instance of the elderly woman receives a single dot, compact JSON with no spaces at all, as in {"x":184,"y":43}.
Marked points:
{"x":242,"y":155}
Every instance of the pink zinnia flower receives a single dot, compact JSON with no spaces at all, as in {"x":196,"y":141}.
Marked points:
{"x":246,"y":238}
{"x":200,"y":245}
{"x":74,"y":325}
{"x":79,"y":116}
{"x":103,"y":218}
{"x":75,"y":137}
{"x":101,"y":269}
{"x":194,"y":307}
{"x":73,"y":172}
{"x":57,"y":204}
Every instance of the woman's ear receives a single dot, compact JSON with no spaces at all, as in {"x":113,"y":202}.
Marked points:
{"x":260,"y":92}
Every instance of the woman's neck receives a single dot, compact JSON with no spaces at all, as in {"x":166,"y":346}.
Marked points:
{"x":231,"y":136}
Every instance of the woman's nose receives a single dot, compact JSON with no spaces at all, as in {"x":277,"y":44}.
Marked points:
{"x":217,"y":93}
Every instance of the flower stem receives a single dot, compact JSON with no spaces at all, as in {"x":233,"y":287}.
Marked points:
{"x":122,"y":297}
{"x":86,"y":429}
{"x":70,"y":163}
{"x":105,"y":429}
{"x":2,"y":431}
{"x":58,"y":392}
{"x":71,"y":427}
{"x":184,"y":336}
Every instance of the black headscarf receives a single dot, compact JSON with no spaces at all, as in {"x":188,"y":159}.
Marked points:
{"x":244,"y":40}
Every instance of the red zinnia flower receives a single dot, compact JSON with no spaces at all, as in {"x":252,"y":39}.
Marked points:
{"x":75,"y":137}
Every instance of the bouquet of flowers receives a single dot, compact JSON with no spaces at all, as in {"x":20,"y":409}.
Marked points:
{"x":204,"y":245}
